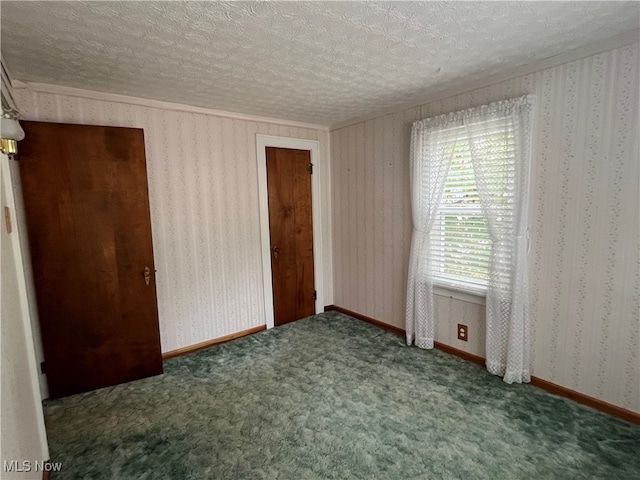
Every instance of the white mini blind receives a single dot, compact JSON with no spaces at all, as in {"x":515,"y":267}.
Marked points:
{"x":460,"y":243}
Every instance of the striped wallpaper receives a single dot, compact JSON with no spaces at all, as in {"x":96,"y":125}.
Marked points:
{"x":203,"y":189}
{"x":585,"y":277}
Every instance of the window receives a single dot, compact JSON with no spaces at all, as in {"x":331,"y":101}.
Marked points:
{"x":470,"y":176}
{"x":460,"y":241}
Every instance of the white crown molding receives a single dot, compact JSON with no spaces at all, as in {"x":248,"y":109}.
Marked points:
{"x":627,"y":38}
{"x":144,"y":102}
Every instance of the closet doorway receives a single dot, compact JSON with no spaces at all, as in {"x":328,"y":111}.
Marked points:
{"x":291,"y":215}
{"x":291,"y":231}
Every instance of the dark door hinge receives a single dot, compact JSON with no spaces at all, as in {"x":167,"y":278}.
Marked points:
{"x":310,"y":168}
{"x":43,"y":367}
{"x":315,"y":295}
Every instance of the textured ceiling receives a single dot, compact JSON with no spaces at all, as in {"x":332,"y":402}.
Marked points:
{"x":319,"y":62}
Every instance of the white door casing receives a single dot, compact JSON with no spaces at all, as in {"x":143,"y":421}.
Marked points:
{"x":313,"y":146}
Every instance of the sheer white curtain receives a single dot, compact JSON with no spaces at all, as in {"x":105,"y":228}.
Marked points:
{"x":500,"y":142}
{"x":432,"y":145}
{"x":499,"y":139}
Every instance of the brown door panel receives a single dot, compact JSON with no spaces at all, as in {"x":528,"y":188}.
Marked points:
{"x":87,"y":212}
{"x":291,"y":231}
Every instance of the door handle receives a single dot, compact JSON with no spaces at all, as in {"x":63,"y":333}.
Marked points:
{"x":147,"y":275}
{"x":276,"y":250}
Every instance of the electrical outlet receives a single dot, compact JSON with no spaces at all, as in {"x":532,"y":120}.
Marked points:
{"x":463,"y":332}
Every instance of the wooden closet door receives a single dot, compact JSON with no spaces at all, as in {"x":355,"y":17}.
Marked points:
{"x":87,"y":211}
{"x":291,"y":232}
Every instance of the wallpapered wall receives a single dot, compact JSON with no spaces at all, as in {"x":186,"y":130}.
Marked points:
{"x":585,"y":278}
{"x":203,"y":191}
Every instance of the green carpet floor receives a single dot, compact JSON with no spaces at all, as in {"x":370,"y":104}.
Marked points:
{"x":332,"y":397}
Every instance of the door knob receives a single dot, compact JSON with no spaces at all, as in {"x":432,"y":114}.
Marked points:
{"x":147,"y":275}
{"x":276,"y":250}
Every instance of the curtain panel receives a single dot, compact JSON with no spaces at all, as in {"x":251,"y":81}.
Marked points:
{"x":498,"y":136}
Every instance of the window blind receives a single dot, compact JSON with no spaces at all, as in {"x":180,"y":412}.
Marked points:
{"x":460,"y":241}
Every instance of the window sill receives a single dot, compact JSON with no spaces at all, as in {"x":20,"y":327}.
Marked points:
{"x":452,"y":292}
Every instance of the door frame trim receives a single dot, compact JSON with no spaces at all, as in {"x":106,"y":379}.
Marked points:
{"x":313,"y":146}
{"x":17,"y":263}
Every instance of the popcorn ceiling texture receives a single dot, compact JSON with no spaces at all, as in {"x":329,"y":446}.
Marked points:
{"x":319,"y":62}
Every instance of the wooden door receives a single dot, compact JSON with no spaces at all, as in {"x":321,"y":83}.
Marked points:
{"x":291,"y":231}
{"x":87,"y":212}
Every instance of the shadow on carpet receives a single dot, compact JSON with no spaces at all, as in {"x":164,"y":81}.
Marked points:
{"x":330,"y":397}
